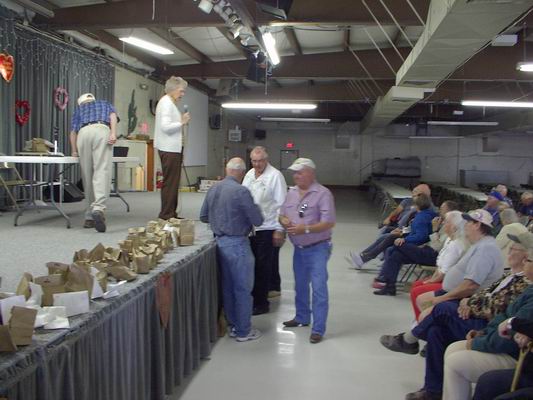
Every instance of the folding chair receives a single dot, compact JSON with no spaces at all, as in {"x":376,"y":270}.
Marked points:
{"x":10,"y":180}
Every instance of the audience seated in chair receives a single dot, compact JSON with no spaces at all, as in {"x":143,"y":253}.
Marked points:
{"x":510,"y":226}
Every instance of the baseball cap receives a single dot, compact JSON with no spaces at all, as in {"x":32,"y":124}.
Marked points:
{"x":85,"y":97}
{"x":300,"y":163}
{"x":496,"y":195}
{"x":479,"y":215}
{"x":525,"y":239}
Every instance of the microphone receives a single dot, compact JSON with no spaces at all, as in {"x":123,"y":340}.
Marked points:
{"x":185,"y":108}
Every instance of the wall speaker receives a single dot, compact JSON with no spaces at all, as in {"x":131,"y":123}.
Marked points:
{"x":260,"y":134}
{"x":215,"y":121}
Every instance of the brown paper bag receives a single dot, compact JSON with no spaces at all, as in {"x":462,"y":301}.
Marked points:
{"x":141,"y":262}
{"x":6,"y":341}
{"x":164,"y":291}
{"x":97,"y":253}
{"x":51,"y":284}
{"x":81,"y":255}
{"x":21,"y":325}
{"x":57,"y":268}
{"x":101,"y":277}
{"x":126,"y":245}
{"x":186,"y":232}
{"x":23,"y":287}
{"x":79,"y":279}
{"x":121,"y":273}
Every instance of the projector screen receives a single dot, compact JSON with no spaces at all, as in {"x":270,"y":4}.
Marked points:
{"x":196,"y":146}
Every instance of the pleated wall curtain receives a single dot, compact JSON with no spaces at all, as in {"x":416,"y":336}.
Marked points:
{"x":43,"y":64}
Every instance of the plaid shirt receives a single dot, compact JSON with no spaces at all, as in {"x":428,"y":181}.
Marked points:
{"x":99,"y":110}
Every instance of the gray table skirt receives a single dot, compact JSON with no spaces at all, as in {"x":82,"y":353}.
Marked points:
{"x":120,"y":351}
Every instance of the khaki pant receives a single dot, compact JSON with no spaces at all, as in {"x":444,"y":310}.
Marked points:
{"x":463,"y":367}
{"x":96,"y":163}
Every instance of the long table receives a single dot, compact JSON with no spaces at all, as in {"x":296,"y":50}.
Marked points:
{"x":53,"y":162}
{"x":474,"y":194}
{"x":397,"y":192}
{"x":120,"y":351}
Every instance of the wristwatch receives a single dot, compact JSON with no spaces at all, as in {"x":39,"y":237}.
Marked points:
{"x":307,"y":230}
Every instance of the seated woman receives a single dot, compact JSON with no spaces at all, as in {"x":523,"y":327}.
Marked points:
{"x":511,"y":226}
{"x":417,"y":233}
{"x":486,"y":350}
{"x":454,"y":248}
{"x":409,"y":253}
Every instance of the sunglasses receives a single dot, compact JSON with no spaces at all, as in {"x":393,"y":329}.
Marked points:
{"x":303,"y":207}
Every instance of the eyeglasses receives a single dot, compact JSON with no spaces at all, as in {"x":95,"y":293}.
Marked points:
{"x":303,"y":207}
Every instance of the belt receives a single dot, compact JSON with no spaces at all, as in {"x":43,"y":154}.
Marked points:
{"x":95,"y":122}
{"x":313,"y":244}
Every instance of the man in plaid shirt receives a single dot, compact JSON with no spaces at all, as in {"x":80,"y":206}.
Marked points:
{"x":92,"y":138}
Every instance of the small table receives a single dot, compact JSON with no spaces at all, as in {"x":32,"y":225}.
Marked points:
{"x":51,"y":162}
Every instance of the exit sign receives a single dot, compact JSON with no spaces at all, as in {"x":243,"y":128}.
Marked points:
{"x":289,"y":145}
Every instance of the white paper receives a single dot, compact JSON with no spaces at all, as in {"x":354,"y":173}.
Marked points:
{"x":111,"y":293}
{"x":114,"y":286}
{"x":96,"y":291}
{"x":60,"y":320}
{"x":42,"y":317}
{"x":36,"y":295}
{"x":75,"y":302}
{"x":7,"y":304}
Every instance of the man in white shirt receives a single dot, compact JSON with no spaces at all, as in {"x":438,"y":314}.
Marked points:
{"x":168,"y":139}
{"x":268,"y":188}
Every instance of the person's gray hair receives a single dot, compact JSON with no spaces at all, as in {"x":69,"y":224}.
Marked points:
{"x":175,"y":82}
{"x":526,"y":195}
{"x":456,"y":219}
{"x":236,"y":165}
{"x":260,"y":149}
{"x":508,"y":216}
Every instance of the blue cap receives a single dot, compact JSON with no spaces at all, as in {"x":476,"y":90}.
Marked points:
{"x":497,"y":195}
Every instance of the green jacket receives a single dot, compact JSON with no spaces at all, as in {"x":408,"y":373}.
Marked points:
{"x":491,"y":341}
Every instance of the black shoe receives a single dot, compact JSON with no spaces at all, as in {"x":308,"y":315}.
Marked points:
{"x":260,"y":310}
{"x":423,"y":395}
{"x":398,"y":344}
{"x":424,"y":351}
{"x":387,"y":290}
{"x":99,"y":221}
{"x":293,"y":324}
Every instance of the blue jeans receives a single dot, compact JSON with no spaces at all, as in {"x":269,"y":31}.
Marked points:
{"x":495,"y":383}
{"x":440,"y":329}
{"x":310,"y":268}
{"x":407,"y":253}
{"x":236,"y":262}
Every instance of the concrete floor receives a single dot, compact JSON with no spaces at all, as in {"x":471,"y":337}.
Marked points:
{"x":349,"y":364}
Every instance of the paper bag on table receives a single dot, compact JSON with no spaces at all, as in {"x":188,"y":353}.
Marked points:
{"x":21,"y":325}
{"x":81,"y":255}
{"x":6,"y":305}
{"x":57,"y":268}
{"x":75,"y":302}
{"x":79,"y":279}
{"x":50,"y":284}
{"x":23,"y":287}
{"x":36,"y":297}
{"x":6,"y":341}
{"x":97,"y":253}
{"x":121,"y":273}
{"x":186,"y":232}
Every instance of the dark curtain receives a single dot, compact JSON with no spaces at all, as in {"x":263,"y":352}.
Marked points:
{"x":42,"y":64}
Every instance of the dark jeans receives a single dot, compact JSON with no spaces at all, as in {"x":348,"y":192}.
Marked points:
{"x":495,"y":384}
{"x":439,"y":329}
{"x":263,"y":250}
{"x":171,"y":165}
{"x":407,"y":253}
{"x":379,"y":246}
{"x":275,"y":277}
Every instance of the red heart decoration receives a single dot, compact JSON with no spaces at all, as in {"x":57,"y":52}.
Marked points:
{"x":22,"y":119}
{"x":7,"y":66}
{"x":57,"y":94}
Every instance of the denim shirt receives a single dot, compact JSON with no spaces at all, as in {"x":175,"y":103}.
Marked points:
{"x":230,"y":209}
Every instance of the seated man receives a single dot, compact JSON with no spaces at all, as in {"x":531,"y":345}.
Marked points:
{"x":486,"y":350}
{"x":404,"y":213}
{"x":526,"y":206}
{"x":408,"y":253}
{"x":417,"y":234}
{"x":492,"y":206}
{"x":496,"y":383}
{"x":450,"y":320}
{"x":502,"y":189}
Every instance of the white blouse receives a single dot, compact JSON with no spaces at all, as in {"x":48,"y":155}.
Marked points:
{"x":168,"y":135}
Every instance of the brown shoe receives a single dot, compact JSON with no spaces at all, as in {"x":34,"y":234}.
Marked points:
{"x":315,"y":338}
{"x":88,"y":223}
{"x":293,"y":324}
{"x":423,"y":395}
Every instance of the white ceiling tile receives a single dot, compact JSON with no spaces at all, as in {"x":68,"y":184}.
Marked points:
{"x":209,"y":41}
{"x":319,"y":38}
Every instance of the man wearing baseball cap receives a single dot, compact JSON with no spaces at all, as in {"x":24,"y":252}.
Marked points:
{"x":92,"y":138}
{"x":308,"y":216}
{"x":492,"y":206}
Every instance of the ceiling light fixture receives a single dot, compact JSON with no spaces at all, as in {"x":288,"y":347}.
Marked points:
{"x":143,"y":44}
{"x":525,"y":66}
{"x":236,"y":29}
{"x":507,"y":104}
{"x":436,"y":137}
{"x":464,"y":123}
{"x":276,"y":119}
{"x":270,"y":44}
{"x":269,"y":106}
{"x":206,"y":6}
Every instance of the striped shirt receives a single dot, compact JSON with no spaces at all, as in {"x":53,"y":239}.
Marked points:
{"x":99,"y":110}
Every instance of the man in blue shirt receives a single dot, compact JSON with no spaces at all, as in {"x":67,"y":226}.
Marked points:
{"x":92,"y":137}
{"x":526,"y":206}
{"x":230,"y":210}
{"x":492,"y":206}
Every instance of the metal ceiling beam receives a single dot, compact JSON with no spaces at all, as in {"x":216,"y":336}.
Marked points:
{"x":293,"y":40}
{"x":346,"y":40}
{"x":235,"y":42}
{"x":181,"y":44}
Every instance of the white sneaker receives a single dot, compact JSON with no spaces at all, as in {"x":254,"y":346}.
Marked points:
{"x":231,"y":332}
{"x":253,"y":335}
{"x":355,"y":260}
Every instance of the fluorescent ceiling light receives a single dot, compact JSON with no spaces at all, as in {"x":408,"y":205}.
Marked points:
{"x":269,"y":106}
{"x":435,"y":137}
{"x":525,"y":66}
{"x":483,"y":103}
{"x":464,"y":123}
{"x":143,"y":44}
{"x":206,"y":6}
{"x":270,"y":44}
{"x":276,"y":119}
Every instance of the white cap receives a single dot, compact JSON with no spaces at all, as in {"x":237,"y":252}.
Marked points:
{"x":85,"y":98}
{"x":479,"y":215}
{"x":300,"y":163}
